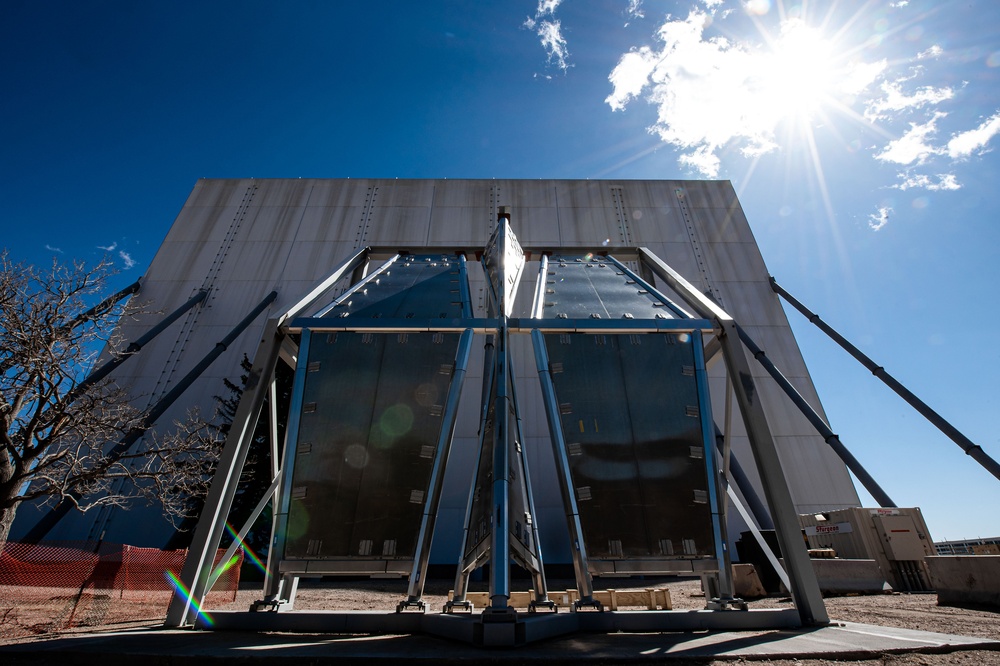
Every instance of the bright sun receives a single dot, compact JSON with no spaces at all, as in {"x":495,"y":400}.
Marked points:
{"x":800,"y":74}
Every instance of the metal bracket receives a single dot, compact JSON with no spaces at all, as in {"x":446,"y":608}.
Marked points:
{"x":543,"y":603}
{"x":587,"y":602}
{"x":408,"y":604}
{"x":503,"y":614}
{"x":726,"y":603}
{"x":268,"y":605}
{"x":464,"y":605}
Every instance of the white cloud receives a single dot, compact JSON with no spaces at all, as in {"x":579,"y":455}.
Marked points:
{"x":932,"y":52}
{"x":635,"y":9}
{"x":897,"y":100}
{"x":108,"y":248}
{"x":630,"y":77}
{"x":549,"y":31}
{"x":966,"y":143}
{"x":861,"y":75}
{"x":703,"y":160}
{"x":911,"y":148}
{"x":879,"y":218}
{"x":53,"y":249}
{"x":720,"y":93}
{"x":711,"y":93}
{"x":547,"y":7}
{"x":127,"y":258}
{"x":945,"y":182}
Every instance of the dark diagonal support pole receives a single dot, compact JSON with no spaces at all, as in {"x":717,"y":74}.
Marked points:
{"x":971,"y":449}
{"x":866,"y":479}
{"x":52,"y":518}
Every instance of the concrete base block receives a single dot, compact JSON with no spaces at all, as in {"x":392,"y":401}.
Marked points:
{"x":841,"y":576}
{"x":837,"y":576}
{"x":746,"y":582}
{"x":966,"y":580}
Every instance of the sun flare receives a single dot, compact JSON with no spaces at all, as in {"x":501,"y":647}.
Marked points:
{"x":801,"y":74}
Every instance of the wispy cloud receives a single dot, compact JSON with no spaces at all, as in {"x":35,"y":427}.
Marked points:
{"x":933,"y":52}
{"x":549,"y":31}
{"x":879,"y":218}
{"x":108,"y":248}
{"x":53,"y":249}
{"x":945,"y":182}
{"x":916,"y":148}
{"x":127,"y":258}
{"x":972,"y":141}
{"x":912,"y":147}
{"x":634,"y":11}
{"x":896,"y":100}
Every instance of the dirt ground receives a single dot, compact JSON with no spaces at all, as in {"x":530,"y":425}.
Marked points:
{"x":42,"y":618}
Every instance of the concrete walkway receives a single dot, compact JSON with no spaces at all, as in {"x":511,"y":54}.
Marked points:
{"x":152,"y":647}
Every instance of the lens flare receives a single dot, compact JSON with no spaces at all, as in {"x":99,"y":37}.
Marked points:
{"x":180,"y":588}
{"x":396,"y":420}
{"x":250,"y":555}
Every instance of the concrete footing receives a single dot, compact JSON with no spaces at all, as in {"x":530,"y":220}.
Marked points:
{"x":477,"y":629}
{"x":746,"y":582}
{"x":966,"y":580}
{"x":840,"y":642}
{"x":837,"y":576}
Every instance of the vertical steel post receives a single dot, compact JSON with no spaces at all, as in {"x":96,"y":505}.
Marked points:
{"x":212,"y":522}
{"x":500,"y":534}
{"x":715,"y":496}
{"x":463,"y":283}
{"x":538,"y":575}
{"x":273,"y":580}
{"x":805,"y":589}
{"x":272,"y":558}
{"x":436,"y":483}
{"x":538,"y":304}
{"x":584,"y":581}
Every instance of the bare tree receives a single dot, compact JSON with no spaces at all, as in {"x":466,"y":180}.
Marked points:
{"x":60,"y":430}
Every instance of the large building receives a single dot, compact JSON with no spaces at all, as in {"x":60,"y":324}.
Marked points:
{"x":242,"y":239}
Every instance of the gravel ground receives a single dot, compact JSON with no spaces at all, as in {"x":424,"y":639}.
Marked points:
{"x":908,"y":611}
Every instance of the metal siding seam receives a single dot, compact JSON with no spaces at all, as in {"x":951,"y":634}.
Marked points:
{"x":699,"y":253}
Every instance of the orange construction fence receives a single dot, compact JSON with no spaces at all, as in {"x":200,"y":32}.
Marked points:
{"x":99,"y":565}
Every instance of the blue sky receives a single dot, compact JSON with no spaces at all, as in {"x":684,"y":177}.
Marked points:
{"x":860,"y":136}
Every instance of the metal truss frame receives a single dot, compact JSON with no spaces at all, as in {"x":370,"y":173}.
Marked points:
{"x":277,"y":344}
